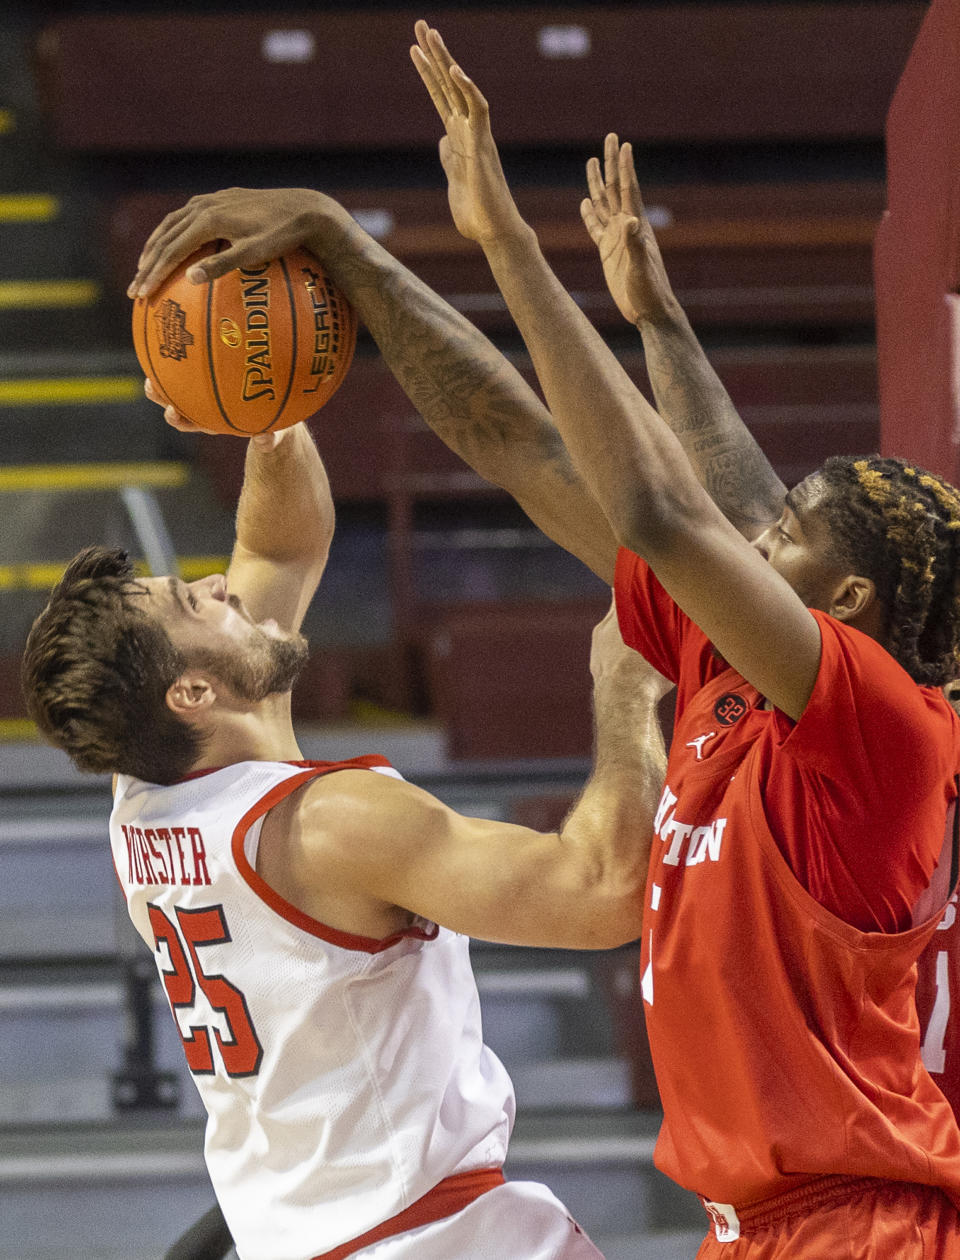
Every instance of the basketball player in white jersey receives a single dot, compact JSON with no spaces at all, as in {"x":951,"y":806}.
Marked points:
{"x":330,"y":1023}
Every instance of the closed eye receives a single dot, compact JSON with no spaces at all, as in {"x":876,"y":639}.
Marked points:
{"x":192,"y":600}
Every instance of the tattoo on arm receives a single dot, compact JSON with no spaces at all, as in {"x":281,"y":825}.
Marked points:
{"x":466,"y":390}
{"x":724,"y":454}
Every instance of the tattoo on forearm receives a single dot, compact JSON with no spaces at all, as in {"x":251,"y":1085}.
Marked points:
{"x":474,"y":400}
{"x":723,"y":452}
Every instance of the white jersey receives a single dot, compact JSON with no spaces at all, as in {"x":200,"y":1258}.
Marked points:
{"x":343,"y":1077}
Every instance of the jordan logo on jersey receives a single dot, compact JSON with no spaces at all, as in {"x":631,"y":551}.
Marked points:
{"x":699,"y":742}
{"x":701,"y":842}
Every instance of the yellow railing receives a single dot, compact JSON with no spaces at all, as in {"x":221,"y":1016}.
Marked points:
{"x":155,"y":475}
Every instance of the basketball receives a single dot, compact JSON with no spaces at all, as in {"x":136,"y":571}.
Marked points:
{"x":258,"y":349}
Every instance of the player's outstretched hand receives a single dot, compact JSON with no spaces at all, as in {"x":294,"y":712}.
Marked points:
{"x":258,"y":223}
{"x":613,"y":664}
{"x":618,"y":225}
{"x":480,"y":201}
{"x":265,"y":441}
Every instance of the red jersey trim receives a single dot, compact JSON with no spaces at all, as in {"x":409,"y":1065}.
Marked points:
{"x":446,"y":1198}
{"x":367,"y":761}
{"x":285,"y":909}
{"x":113,"y":862}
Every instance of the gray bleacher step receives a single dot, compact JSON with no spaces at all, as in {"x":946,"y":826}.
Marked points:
{"x":52,"y":1032}
{"x":660,"y":1245}
{"x":601,"y":1166}
{"x":59,"y":1099}
{"x":153,"y":1171}
{"x":49,"y":1025}
{"x":70,"y":860}
{"x":68,"y":1251}
{"x":52,"y":359}
{"x":83,"y":322}
{"x":110,"y":1191}
{"x":551,"y":1084}
{"x":44,"y":236}
{"x":53,"y":524}
{"x":110,"y":420}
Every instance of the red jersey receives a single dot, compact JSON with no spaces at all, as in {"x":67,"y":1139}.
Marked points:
{"x":785,"y":1038}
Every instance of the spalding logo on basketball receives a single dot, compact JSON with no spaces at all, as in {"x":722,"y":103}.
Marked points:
{"x":258,"y":349}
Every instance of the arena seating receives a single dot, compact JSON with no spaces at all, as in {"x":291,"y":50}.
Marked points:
{"x":802,"y":403}
{"x":793,"y":254}
{"x":294,"y":80}
{"x":512,"y":680}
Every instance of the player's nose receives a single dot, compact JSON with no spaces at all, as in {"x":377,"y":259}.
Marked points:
{"x":214,"y":586}
{"x":762,"y":544}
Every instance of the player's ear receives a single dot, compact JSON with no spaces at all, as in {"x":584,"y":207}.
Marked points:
{"x":852,"y":597}
{"x":191,"y":695}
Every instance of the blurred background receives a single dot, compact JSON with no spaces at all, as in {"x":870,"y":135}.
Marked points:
{"x":448,"y":634}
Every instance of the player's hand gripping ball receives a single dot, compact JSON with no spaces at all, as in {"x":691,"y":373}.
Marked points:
{"x":255,"y":350}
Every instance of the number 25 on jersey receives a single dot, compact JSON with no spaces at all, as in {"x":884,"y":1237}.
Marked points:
{"x":242,"y":1052}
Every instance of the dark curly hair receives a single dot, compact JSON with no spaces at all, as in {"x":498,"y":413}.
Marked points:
{"x":95,"y":673}
{"x":900,"y":526}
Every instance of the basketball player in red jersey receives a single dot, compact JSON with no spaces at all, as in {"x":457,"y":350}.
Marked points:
{"x":795,"y":841}
{"x":790,"y":892}
{"x":690,"y":396}
{"x":331,"y":1024}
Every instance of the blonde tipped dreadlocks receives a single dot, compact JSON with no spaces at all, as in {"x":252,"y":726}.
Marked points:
{"x":900,"y":526}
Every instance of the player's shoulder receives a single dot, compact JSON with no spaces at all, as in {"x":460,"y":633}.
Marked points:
{"x":350,"y":805}
{"x":875,"y":674}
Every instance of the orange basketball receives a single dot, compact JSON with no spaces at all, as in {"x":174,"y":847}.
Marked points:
{"x":260,"y":348}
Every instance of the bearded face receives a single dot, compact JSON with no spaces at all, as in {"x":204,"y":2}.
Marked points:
{"x":266,"y":665}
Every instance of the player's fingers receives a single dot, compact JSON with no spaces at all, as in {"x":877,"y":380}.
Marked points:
{"x":161,"y":244}
{"x":157,"y":272}
{"x":247,"y":253}
{"x":175,"y":420}
{"x":444,"y":62}
{"x":160,"y":263}
{"x":611,"y":173}
{"x":425,"y":70}
{"x":635,"y":242}
{"x":477,"y":108}
{"x":181,"y":423}
{"x":590,"y":220}
{"x":166,"y":224}
{"x":629,"y":184}
{"x":595,"y":185}
{"x":434,"y":77}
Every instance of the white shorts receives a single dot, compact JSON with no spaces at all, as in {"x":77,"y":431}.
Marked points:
{"x":520,"y":1220}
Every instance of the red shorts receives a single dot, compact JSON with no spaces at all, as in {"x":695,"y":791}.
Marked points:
{"x":859,"y":1220}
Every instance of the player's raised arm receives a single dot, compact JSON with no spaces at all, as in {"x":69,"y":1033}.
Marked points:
{"x":579,"y":888}
{"x":635,"y":467}
{"x":285,"y":522}
{"x":688,"y":393}
{"x":469,"y":394}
